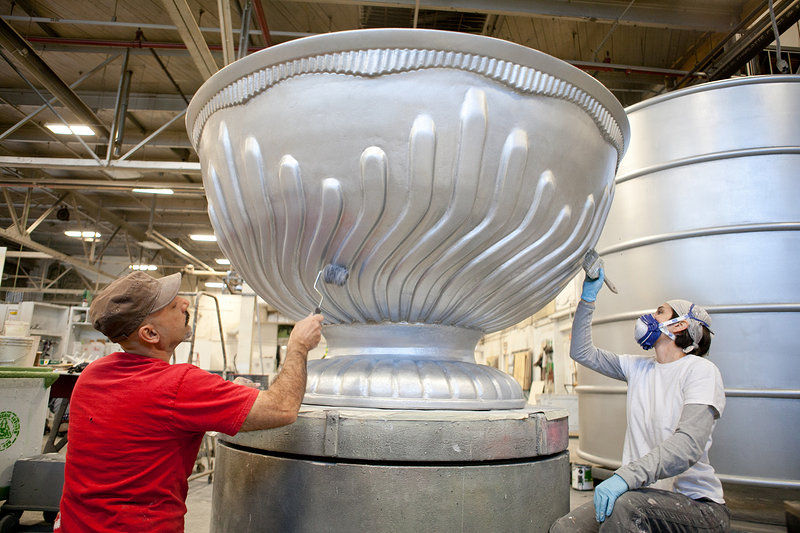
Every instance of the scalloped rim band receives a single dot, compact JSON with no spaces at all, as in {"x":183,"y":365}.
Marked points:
{"x":382,"y":61}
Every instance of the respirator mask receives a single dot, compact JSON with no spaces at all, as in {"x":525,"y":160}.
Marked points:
{"x":647,"y":329}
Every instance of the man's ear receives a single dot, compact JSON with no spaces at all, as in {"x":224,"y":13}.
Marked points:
{"x":148,"y":334}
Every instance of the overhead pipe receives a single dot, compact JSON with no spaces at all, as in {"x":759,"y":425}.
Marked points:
{"x":583,"y":65}
{"x":139,"y":25}
{"x":169,"y":75}
{"x":244,"y":34}
{"x":117,"y":105}
{"x":262,"y":23}
{"x":119,"y":135}
{"x":25,"y":54}
{"x":129,"y":44}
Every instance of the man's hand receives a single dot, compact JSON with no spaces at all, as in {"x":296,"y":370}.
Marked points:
{"x":307,"y":332}
{"x":592,"y":286}
{"x":607,"y":492}
{"x":278,"y":405}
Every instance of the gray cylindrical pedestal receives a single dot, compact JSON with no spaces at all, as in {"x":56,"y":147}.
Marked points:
{"x":346,"y":469}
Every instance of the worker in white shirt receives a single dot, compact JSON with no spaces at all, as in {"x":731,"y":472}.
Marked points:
{"x":674,"y":398}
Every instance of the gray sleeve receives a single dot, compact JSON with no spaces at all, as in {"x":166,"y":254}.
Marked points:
{"x":584,"y":352}
{"x":676,"y":454}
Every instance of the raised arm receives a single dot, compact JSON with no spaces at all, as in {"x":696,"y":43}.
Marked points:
{"x":581,"y":348}
{"x":278,"y":405}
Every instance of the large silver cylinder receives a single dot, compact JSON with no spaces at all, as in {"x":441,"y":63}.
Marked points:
{"x":706,"y":209}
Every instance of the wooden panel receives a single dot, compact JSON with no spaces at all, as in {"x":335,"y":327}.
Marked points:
{"x":523,"y":368}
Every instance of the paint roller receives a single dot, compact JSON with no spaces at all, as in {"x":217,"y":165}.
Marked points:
{"x":333,"y":274}
{"x":592,"y":265}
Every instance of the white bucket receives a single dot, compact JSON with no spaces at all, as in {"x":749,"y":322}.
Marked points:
{"x":16,"y":351}
{"x":582,"y":477}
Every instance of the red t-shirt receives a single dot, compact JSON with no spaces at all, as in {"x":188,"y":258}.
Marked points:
{"x":135,"y":426}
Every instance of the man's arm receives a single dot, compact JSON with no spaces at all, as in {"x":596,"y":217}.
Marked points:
{"x":278,"y":405}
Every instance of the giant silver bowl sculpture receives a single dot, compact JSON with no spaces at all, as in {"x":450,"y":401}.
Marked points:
{"x":459,"y":179}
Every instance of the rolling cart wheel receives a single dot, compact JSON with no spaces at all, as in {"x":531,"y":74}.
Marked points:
{"x":49,"y":516}
{"x":9,"y":523}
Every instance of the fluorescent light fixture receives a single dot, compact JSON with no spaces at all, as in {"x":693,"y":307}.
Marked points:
{"x":83,"y":234}
{"x":222,"y":261}
{"x":77,"y":129}
{"x":143,"y":267}
{"x":214,"y":284}
{"x":205,"y":238}
{"x":153,"y":191}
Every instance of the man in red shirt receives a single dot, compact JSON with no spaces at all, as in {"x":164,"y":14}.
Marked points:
{"x":136,"y":421}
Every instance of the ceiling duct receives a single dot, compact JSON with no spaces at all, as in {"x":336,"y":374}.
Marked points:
{"x":429,"y":19}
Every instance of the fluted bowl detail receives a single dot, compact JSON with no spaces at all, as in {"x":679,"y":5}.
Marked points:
{"x":459,"y":178}
{"x":458,"y":187}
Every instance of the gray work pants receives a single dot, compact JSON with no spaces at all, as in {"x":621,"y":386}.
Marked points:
{"x":649,"y":510}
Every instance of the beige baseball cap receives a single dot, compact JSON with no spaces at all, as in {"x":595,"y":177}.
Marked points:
{"x":122,"y":306}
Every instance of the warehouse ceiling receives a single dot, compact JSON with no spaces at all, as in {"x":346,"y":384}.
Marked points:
{"x":128,"y":69}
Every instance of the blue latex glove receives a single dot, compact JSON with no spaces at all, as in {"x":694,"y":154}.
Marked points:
{"x":606,"y":493}
{"x":592,"y":286}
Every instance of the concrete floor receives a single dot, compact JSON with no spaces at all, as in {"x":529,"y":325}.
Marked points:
{"x":198,"y":503}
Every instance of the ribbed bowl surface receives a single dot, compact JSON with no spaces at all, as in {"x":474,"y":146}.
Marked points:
{"x":458,"y":178}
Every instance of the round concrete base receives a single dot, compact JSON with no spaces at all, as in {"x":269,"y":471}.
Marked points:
{"x":350,"y":470}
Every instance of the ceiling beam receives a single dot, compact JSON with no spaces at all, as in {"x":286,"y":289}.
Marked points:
{"x":102,"y":100}
{"x":136,"y":233}
{"x":100,"y":185}
{"x":76,"y":292}
{"x":69,"y":163}
{"x":167,"y":139}
{"x":181,"y":16}
{"x":26,"y":241}
{"x":23,"y":53}
{"x":754,"y":40}
{"x":689,"y":15}
{"x":226,"y":32}
{"x":177,"y":249}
